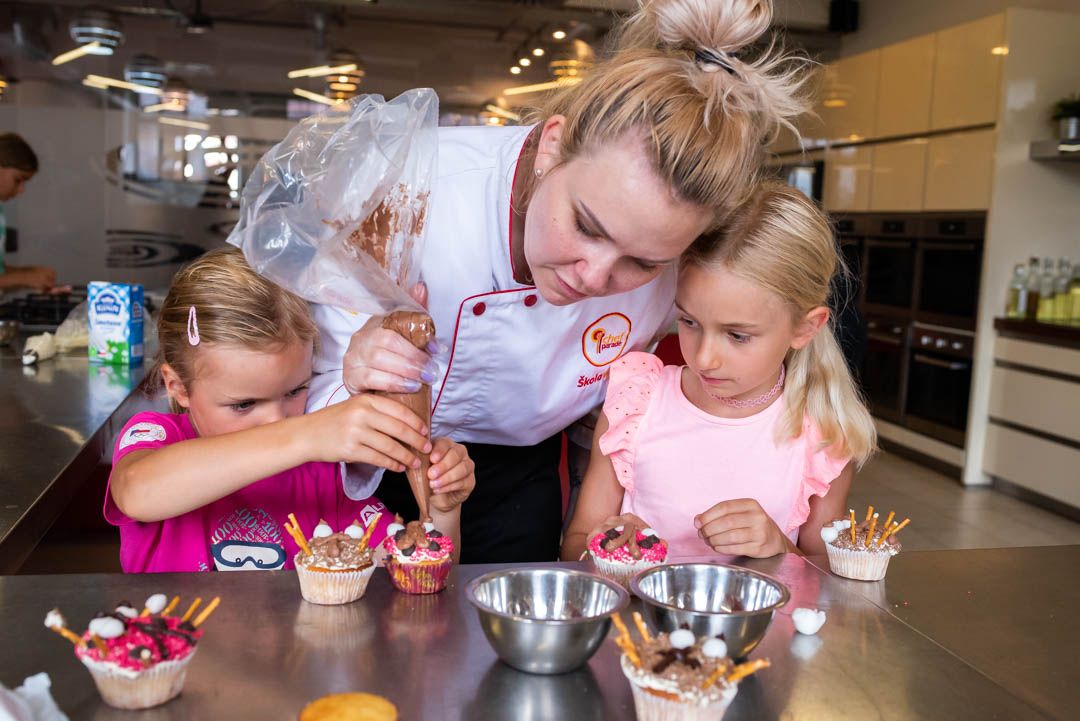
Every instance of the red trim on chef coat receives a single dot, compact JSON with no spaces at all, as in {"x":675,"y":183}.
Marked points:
{"x":510,"y":221}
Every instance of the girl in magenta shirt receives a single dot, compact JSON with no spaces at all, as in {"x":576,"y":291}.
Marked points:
{"x":211,"y":485}
{"x":750,"y":447}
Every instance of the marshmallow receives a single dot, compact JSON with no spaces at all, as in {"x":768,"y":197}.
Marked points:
{"x":393,"y":528}
{"x":322,"y":530}
{"x":842,"y":525}
{"x":125,"y":610}
{"x":649,"y":532}
{"x":429,"y":527}
{"x":714,"y":648}
{"x":355,"y":531}
{"x":107,"y":627}
{"x":619,"y":528}
{"x":682,"y":638}
{"x":157,"y":603}
{"x":808,"y":620}
{"x":54,"y":619}
{"x":829,"y":534}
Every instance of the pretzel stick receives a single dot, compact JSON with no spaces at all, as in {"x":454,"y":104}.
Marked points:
{"x":870,"y":532}
{"x":851,"y":512}
{"x":206,"y":611}
{"x":169,"y":609}
{"x":642,"y":629}
{"x":888,"y":521}
{"x":191,"y":608}
{"x":369,"y":530}
{"x":869,"y":513}
{"x":69,"y":635}
{"x":99,"y":645}
{"x":901,"y":526}
{"x":714,"y":677}
{"x":745,"y":669}
{"x":888,"y":532}
{"x":297,"y":536}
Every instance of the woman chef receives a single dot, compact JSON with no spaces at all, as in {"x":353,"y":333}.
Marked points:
{"x":550,"y":252}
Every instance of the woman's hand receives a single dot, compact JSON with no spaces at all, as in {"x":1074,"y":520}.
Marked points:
{"x":452,"y":475}
{"x":741,"y":527}
{"x":369,"y":429}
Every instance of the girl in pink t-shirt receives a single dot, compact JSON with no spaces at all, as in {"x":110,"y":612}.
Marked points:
{"x":211,"y":485}
{"x":750,"y":447}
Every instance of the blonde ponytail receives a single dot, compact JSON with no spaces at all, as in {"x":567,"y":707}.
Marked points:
{"x":780,"y":241}
{"x":682,"y":79}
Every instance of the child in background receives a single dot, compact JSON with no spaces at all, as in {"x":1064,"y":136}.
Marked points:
{"x":211,"y":485}
{"x":751,"y":446}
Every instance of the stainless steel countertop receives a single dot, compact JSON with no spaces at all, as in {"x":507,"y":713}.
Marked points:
{"x":266,"y":652}
{"x":56,"y":418}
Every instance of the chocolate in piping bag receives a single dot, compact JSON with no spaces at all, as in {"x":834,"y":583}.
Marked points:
{"x":418,"y":329}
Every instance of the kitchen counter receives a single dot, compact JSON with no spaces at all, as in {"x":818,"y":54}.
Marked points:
{"x":948,"y":635}
{"x":56,"y":420}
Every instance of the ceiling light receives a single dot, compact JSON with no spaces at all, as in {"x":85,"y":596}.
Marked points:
{"x":76,"y":53}
{"x":835,"y":103}
{"x":101,"y":82}
{"x":524,"y":62}
{"x":540,"y":87}
{"x":172,"y":106}
{"x":344,"y":82}
{"x":999,"y":50}
{"x":184,"y":123}
{"x":559,"y":34}
{"x":97,"y":25}
{"x":199,"y":23}
{"x":178,"y":94}
{"x":538,"y":52}
{"x":315,"y":97}
{"x":3,"y":86}
{"x":515,"y":70}
{"x":146,"y":70}
{"x":502,"y":112}
{"x":320,"y":70}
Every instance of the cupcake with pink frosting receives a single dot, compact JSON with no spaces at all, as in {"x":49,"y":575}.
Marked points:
{"x":622,"y":552}
{"x":137,"y":659}
{"x":418,"y":557}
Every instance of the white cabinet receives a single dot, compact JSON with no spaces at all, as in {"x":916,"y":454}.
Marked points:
{"x":959,"y":170}
{"x":846,"y":186}
{"x":848,"y":97}
{"x":967,"y":73}
{"x":898,"y":176}
{"x":904,"y":88}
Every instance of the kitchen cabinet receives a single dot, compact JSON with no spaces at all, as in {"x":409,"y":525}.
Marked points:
{"x":847,"y":178}
{"x":848,"y":97}
{"x":904,"y":88}
{"x":959,"y":170}
{"x":967,"y":73}
{"x":899,"y":172}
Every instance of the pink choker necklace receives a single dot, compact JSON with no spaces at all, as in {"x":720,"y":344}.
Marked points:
{"x":760,"y":400}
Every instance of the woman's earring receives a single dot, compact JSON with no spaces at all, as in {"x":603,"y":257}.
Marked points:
{"x":539,"y":171}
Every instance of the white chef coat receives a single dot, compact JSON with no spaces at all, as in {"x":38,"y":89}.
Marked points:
{"x":518,"y":369}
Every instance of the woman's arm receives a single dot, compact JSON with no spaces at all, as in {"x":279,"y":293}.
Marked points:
{"x":823,"y":509}
{"x":600,"y":498}
{"x":155,"y":484}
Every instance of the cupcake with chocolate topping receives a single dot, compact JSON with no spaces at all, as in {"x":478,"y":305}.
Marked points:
{"x":678,"y":676}
{"x":622,"y":552}
{"x":419,"y":557}
{"x":137,"y":659}
{"x":333,"y":568}
{"x":862,"y":551}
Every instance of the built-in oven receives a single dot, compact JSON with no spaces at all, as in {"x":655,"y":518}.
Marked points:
{"x":805,"y":175}
{"x":948,"y":266}
{"x":939,"y":382}
{"x":846,"y":290}
{"x":884,"y":365}
{"x":889,"y":264}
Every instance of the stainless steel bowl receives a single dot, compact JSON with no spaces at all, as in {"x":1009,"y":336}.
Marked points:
{"x":9,"y":331}
{"x":712,"y":599}
{"x":545,"y":620}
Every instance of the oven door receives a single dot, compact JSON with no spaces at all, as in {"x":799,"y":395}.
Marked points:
{"x":883,"y":367}
{"x":939,"y":388}
{"x":949,"y":282}
{"x":890,"y":272}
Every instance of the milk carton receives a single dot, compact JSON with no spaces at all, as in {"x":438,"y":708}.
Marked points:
{"x":115,"y":313}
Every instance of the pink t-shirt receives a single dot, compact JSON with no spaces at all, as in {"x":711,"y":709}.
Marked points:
{"x":675,"y":461}
{"x":242,"y":531}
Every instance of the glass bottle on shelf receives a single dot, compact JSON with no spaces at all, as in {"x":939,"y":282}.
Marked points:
{"x":1074,"y":294}
{"x":1062,"y":307}
{"x":1045,"y":312}
{"x":1031,"y":307}
{"x":1016,"y":298}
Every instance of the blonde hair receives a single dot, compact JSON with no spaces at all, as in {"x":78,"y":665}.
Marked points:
{"x":233,"y":305}
{"x":780,"y":241}
{"x":682,"y":79}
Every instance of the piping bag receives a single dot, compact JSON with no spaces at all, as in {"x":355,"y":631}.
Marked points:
{"x":335,"y":213}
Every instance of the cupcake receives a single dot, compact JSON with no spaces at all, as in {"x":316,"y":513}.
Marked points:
{"x":678,"y":676}
{"x":622,"y":552}
{"x":861,"y":551}
{"x":333,"y":568}
{"x":137,"y":660}
{"x":350,"y":707}
{"x":418,"y":557}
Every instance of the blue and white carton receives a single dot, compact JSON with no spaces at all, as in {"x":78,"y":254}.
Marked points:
{"x":115,"y":313}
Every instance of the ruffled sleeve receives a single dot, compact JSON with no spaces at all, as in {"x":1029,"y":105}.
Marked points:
{"x":631,"y":382}
{"x":821,"y":468}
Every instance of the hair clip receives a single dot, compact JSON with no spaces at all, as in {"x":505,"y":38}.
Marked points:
{"x":712,"y":60}
{"x":192,"y":327}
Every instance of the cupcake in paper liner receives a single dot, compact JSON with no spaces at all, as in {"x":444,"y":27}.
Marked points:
{"x":137,"y":660}
{"x":418,"y":557}
{"x":867,"y":557}
{"x":680,"y":677}
{"x":334,"y":568}
{"x":620,"y":553}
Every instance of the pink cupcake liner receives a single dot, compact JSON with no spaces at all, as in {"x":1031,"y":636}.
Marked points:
{"x":419,"y":577}
{"x":857,"y":565}
{"x":127,"y":689}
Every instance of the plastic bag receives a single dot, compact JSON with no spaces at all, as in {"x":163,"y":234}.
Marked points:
{"x":335,"y":211}
{"x":74,"y":332}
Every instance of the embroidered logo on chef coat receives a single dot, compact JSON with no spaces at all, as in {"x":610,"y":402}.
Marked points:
{"x":606,"y":339}
{"x":141,"y":433}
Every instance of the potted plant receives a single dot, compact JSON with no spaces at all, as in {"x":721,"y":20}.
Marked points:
{"x":1067,"y":114}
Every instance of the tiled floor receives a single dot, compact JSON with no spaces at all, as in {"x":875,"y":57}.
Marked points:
{"x":946,"y":515}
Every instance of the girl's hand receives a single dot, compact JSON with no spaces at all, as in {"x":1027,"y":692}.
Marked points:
{"x":741,"y":528}
{"x":626,"y":519}
{"x":367,"y":429}
{"x":378,"y":359}
{"x":452,"y":475}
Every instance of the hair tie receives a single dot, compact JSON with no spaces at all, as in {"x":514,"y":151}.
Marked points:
{"x":192,"y":327}
{"x":712,"y":60}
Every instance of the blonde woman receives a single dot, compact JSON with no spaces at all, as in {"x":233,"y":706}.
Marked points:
{"x":751,"y":446}
{"x":550,"y":252}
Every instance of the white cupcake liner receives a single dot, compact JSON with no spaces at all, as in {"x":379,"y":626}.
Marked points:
{"x":619,"y":571}
{"x":331,"y":588}
{"x":130,"y":689}
{"x":857,"y":565}
{"x":651,"y":707}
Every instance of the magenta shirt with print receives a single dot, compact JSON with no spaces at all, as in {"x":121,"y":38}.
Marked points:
{"x":242,"y":531}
